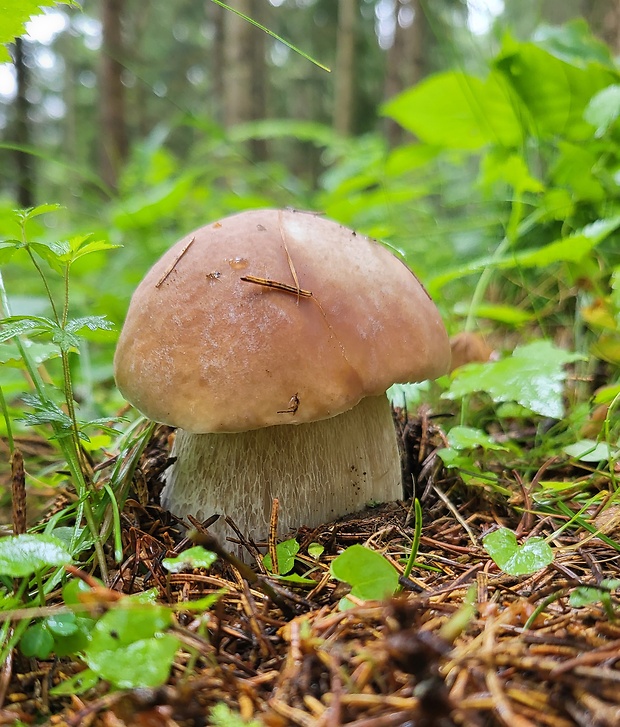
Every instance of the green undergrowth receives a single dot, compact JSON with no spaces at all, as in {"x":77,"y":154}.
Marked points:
{"x":509,"y":206}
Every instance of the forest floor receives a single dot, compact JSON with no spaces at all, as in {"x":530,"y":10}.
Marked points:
{"x":463,"y":644}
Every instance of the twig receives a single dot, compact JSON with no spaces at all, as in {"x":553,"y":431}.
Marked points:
{"x":273,"y":535}
{"x":174,"y":264}
{"x":457,"y":515}
{"x":275,"y":285}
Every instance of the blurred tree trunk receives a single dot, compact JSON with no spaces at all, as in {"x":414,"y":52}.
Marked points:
{"x":25,"y":172}
{"x":407,"y":57}
{"x":603,"y":16}
{"x":604,"y":19}
{"x":345,"y":75}
{"x":216,"y":17}
{"x":114,"y":137}
{"x":244,"y":69}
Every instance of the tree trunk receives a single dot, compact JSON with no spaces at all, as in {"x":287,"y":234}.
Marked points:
{"x":344,"y":92}
{"x":407,"y":57}
{"x":23,"y":160}
{"x":244,"y":69}
{"x":216,"y":16}
{"x":114,"y":137}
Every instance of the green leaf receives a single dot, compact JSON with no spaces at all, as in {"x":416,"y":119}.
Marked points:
{"x":371,"y":576}
{"x":588,"y":450}
{"x":22,"y":555}
{"x":143,"y":663}
{"x":502,"y":166}
{"x":128,"y":646}
{"x":19,"y":325}
{"x":285,"y":553}
{"x":77,"y":684}
{"x":36,"y":641}
{"x":515,"y":559}
{"x":37,"y":352}
{"x":533,"y":377}
{"x":457,"y":111}
{"x":603,"y":109}
{"x":508,"y":314}
{"x":196,"y":557}
{"x":93,"y":323}
{"x":223,"y":716}
{"x":63,"y":624}
{"x":315,"y":550}
{"x":586,"y":595}
{"x":470,"y":438}
{"x":42,"y":209}
{"x":556,"y":101}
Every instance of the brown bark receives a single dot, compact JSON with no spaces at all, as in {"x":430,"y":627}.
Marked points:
{"x":244,"y":69}
{"x":216,"y":17}
{"x":406,"y":62}
{"x":23,"y":160}
{"x":344,"y":92}
{"x":114,"y":137}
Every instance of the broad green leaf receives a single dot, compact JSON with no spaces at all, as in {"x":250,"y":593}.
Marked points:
{"x":285,"y":552}
{"x":78,"y":684}
{"x":458,"y":111}
{"x":509,"y":168}
{"x":603,"y":109}
{"x":143,"y":663}
{"x":573,"y":43}
{"x":586,"y":595}
{"x":469,"y":438}
{"x":315,"y":550}
{"x":128,"y":646}
{"x":533,"y":377}
{"x":63,"y":624}
{"x":515,"y":559}
{"x":22,"y":555}
{"x":560,"y":93}
{"x":37,"y":641}
{"x":196,"y":557}
{"x":588,"y":450}
{"x":370,"y":575}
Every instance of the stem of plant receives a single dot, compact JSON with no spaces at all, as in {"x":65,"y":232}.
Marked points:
{"x":417,"y":534}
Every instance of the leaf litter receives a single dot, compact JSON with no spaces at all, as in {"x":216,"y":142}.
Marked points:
{"x":464,"y":644}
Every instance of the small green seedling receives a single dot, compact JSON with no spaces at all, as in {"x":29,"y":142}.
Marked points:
{"x":196,"y":557}
{"x":586,"y":595}
{"x":372,"y":577}
{"x":515,"y":559}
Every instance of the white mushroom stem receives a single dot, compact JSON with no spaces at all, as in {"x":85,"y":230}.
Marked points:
{"x":318,"y":471}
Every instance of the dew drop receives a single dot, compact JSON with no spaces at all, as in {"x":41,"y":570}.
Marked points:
{"x":238,"y":263}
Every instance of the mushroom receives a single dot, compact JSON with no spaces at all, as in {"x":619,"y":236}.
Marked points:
{"x":269,"y":339}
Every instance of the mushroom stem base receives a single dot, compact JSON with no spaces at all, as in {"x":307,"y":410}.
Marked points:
{"x":318,"y":471}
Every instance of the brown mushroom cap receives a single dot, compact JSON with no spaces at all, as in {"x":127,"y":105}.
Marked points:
{"x":204,"y":350}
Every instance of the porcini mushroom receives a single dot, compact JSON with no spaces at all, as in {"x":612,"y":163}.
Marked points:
{"x":269,"y":339}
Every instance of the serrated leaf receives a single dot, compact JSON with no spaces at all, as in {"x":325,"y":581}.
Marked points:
{"x":41,"y":209}
{"x":23,"y":555}
{"x":533,"y":377}
{"x":93,"y":323}
{"x":20,"y":325}
{"x":15,"y":15}
{"x":196,"y":557}
{"x":370,"y":575}
{"x":515,"y":559}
